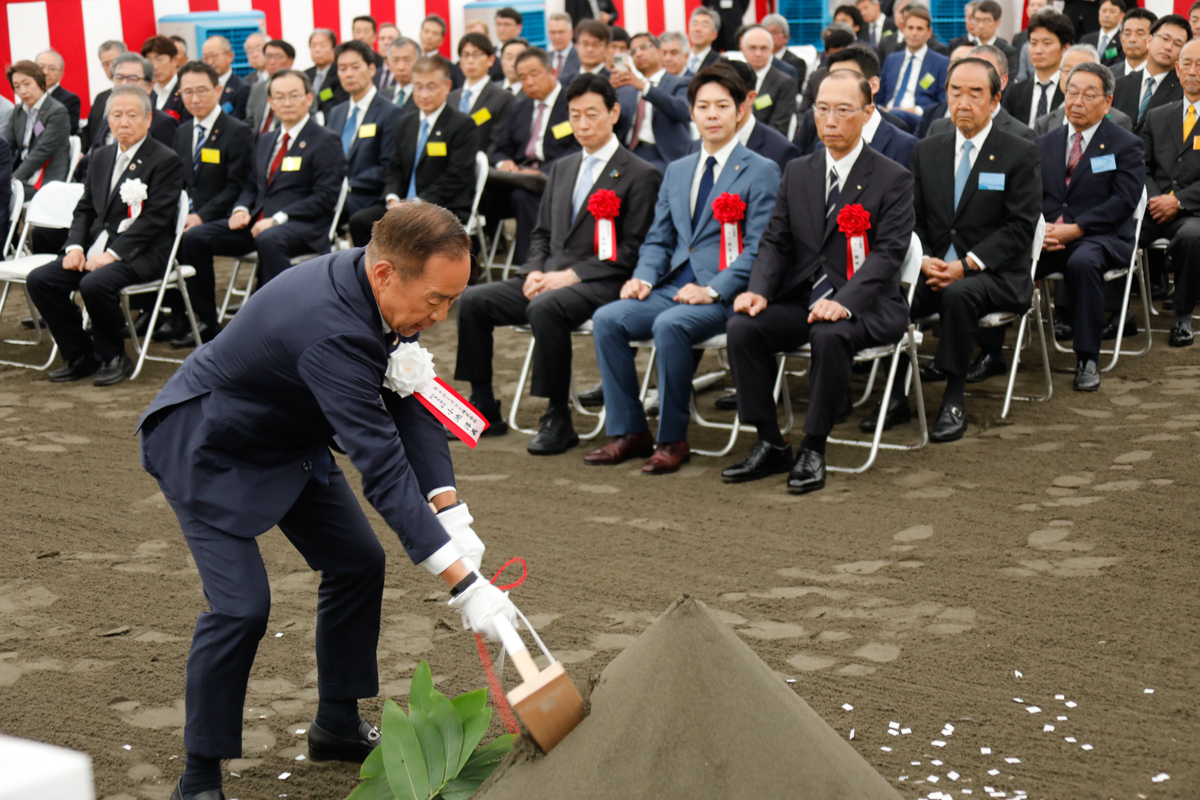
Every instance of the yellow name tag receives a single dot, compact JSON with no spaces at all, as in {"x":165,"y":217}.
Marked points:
{"x":326,"y":94}
{"x":562,"y":129}
{"x":291,"y":164}
{"x":1196,"y":142}
{"x":436,"y":148}
{"x":210,"y":155}
{"x":366,"y":130}
{"x":927,"y":80}
{"x":481,"y":116}
{"x":763,"y":101}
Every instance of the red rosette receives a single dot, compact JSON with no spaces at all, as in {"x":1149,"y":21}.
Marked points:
{"x":173,"y":114}
{"x":854,"y":220}
{"x":728,"y":208}
{"x":604,"y":204}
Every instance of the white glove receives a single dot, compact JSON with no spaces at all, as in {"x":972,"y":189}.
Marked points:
{"x":456,"y":521}
{"x":481,"y":604}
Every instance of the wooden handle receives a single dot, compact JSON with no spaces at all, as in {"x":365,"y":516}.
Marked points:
{"x":516,"y":649}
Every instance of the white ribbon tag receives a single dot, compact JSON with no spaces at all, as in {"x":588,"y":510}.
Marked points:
{"x":410,"y":371}
{"x":606,"y":236}
{"x":858,"y":251}
{"x":731,"y":242}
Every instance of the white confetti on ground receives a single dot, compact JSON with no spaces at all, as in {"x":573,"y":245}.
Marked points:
{"x":886,"y":749}
{"x":1018,"y":700}
{"x":847,"y":707}
{"x":1047,"y":728}
{"x":936,"y":762}
{"x":987,"y":751}
{"x":993,"y":772}
{"x":906,"y":731}
{"x":126,"y":747}
{"x":938,"y":743}
{"x":1071,"y":704}
{"x":894,"y":726}
{"x":1160,"y":777}
{"x":279,"y":635}
{"x":893,"y":732}
{"x":1017,"y":672}
{"x":852,"y":733}
{"x":932,"y":778}
{"x":952,"y":775}
{"x":1060,"y":697}
{"x":283,"y":776}
{"x":1070,"y":739}
{"x":301,"y":757}
{"x":301,"y":730}
{"x":1012,"y":760}
{"x":1086,"y":747}
{"x":1033,"y":709}
{"x":1148,"y":691}
{"x":1061,"y":718}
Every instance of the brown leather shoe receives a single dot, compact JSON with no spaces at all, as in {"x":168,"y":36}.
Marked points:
{"x":667,"y":458}
{"x":621,"y":449}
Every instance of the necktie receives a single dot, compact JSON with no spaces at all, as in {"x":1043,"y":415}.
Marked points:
{"x":401,"y":96}
{"x":122,"y":164}
{"x":386,"y":81}
{"x":638,"y":118}
{"x":267,"y":120}
{"x":558,"y":62}
{"x":1147,"y":93}
{"x":1074,"y":156}
{"x":834,"y":192}
{"x":531,"y":146}
{"x":464,"y":104}
{"x":1103,"y":44}
{"x":283,"y":148}
{"x":693,"y":63}
{"x":960,"y":183}
{"x":1043,"y":101}
{"x":687,"y":274}
{"x":1189,"y":121}
{"x":199,"y":147}
{"x":318,"y":79}
{"x":584,"y":187}
{"x":349,"y":129}
{"x":412,"y":178}
{"x":898,"y":95}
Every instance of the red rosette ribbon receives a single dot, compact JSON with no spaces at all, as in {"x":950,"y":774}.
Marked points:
{"x":173,"y":114}
{"x":605,"y":206}
{"x":854,"y":221}
{"x":729,"y":209}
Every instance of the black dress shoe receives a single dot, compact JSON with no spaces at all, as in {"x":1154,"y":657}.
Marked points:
{"x":592,"y":398}
{"x":764,"y":459}
{"x":808,"y":474}
{"x":1168,"y":304}
{"x":491,"y":412}
{"x":188,"y":339}
{"x":324,"y":746}
{"x":212,"y":794}
{"x":77,"y":370}
{"x":113,"y":371}
{"x":172,"y":327}
{"x":27,"y":323}
{"x":1181,"y":335}
{"x":931,"y":374}
{"x":142,"y":324}
{"x":1087,"y":376}
{"x":950,"y":425}
{"x":1159,"y":287}
{"x":1063,"y":331}
{"x":898,"y":414}
{"x":556,"y":435}
{"x":985,"y":365}
{"x":1110,"y":328}
{"x":726,"y":402}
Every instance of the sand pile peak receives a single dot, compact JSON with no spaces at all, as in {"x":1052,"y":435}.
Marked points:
{"x":689,"y":711}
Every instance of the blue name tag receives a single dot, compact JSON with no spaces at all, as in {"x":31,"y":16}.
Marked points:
{"x":227,"y":107}
{"x":1104,"y":163}
{"x":991,"y":181}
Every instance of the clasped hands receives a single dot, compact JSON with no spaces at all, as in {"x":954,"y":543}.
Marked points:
{"x":1059,"y":235}
{"x":825,"y":310}
{"x":1163,"y":208}
{"x":537,"y":281}
{"x":508,"y":165}
{"x":691,"y":294}
{"x":941,"y":274}
{"x":76,"y":261}
{"x":240,"y":219}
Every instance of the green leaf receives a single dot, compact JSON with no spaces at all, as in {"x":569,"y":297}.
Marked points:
{"x":422,"y":685}
{"x":450,"y":730}
{"x":373,"y":765}
{"x":491,"y":752}
{"x":374,"y":788}
{"x":469,"y":704}
{"x":473,"y":731}
{"x":459,"y":789}
{"x":402,"y":757}
{"x":431,"y":746}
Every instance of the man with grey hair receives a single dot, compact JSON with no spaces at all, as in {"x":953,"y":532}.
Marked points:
{"x":52,"y":64}
{"x":969,"y":19}
{"x":128,"y":69}
{"x":327,"y":89}
{"x":254,"y":46}
{"x":785,"y":60}
{"x":675,"y":52}
{"x":1076,"y":55}
{"x":1001,"y":119}
{"x":217,"y":52}
{"x":703,"y":27}
{"x":563,"y":55}
{"x":401,"y":54}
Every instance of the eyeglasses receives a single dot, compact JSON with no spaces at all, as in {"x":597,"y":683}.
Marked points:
{"x":1178,"y":43}
{"x":134,"y":79}
{"x":1088,"y":97}
{"x":199,"y":91}
{"x":294,"y":97}
{"x":841,"y":112}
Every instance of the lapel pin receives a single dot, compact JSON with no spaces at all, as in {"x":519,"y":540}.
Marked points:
{"x":303,"y":144}
{"x":1101,"y":147}
{"x":859,"y":188}
{"x":737,"y":167}
{"x":991,"y":158}
{"x":132,"y":167}
{"x":614,"y":174}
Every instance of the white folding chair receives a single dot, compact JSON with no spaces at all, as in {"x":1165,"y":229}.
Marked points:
{"x":15,"y":204}
{"x":251,"y":258}
{"x":76,"y":147}
{"x":1136,"y":265}
{"x":52,"y":207}
{"x":910,"y":274}
{"x":174,"y":276}
{"x":583,"y":330}
{"x":476,"y":221}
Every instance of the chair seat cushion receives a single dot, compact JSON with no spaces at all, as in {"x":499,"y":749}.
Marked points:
{"x":152,"y":286}
{"x":18,"y":269}
{"x":996,"y":319}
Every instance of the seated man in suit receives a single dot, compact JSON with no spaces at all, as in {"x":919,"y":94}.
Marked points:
{"x":52,"y":65}
{"x":115,"y":240}
{"x":759,"y":138}
{"x":161,"y":52}
{"x":366,"y":124}
{"x":569,"y":272}
{"x":37,"y":130}
{"x":260,"y":117}
{"x":217,"y":52}
{"x":563,"y":53}
{"x":704,"y":25}
{"x":286,"y":207}
{"x":977,"y":193}
{"x":1000,"y":118}
{"x":1092,"y":178}
{"x":1076,"y":55}
{"x":1107,"y":40}
{"x":1135,"y":42}
{"x":675,"y":52}
{"x":592,"y":38}
{"x":877,"y":26}
{"x":402,"y":53}
{"x":509,"y":23}
{"x":1050,"y":34}
{"x":538,"y":134}
{"x":803,"y":289}
{"x":509,"y":51}
{"x":327,"y":89}
{"x":486,"y":103}
{"x":775,"y":104}
{"x":689,"y":270}
{"x":433,"y":153}
{"x":1157,"y":83}
{"x":787,"y":61}
{"x":654,"y":103}
{"x":914,"y":79}
{"x":941,"y":110}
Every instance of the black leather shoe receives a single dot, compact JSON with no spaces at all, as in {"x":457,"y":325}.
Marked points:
{"x":1158,"y":286}
{"x":808,"y":474}
{"x":1168,"y":304}
{"x":898,"y":414}
{"x":764,"y":459}
{"x":1063,"y":331}
{"x":1110,"y":328}
{"x":984,"y":366}
{"x":140,"y":325}
{"x":1181,"y":336}
{"x":187,"y":339}
{"x":27,"y":323}
{"x":931,"y":374}
{"x":77,"y":370}
{"x":212,"y":794}
{"x":726,"y":402}
{"x":113,"y":371}
{"x":324,"y":746}
{"x":1087,"y":376}
{"x":173,"y":327}
{"x":950,"y":425}
{"x":556,"y":435}
{"x":592,"y":398}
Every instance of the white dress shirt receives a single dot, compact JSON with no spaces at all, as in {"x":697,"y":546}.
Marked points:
{"x":760,"y":74}
{"x":842,"y":167}
{"x":604,"y":154}
{"x":1130,"y":68}
{"x":280,"y":217}
{"x":976,"y":145}
{"x":747,"y":130}
{"x":871,"y":127}
{"x":128,"y":154}
{"x":476,"y":89}
{"x":722,"y":156}
{"x":593,"y":71}
{"x":224,"y":79}
{"x":208,"y":123}
{"x":163,"y":93}
{"x":646,"y":132}
{"x":908,"y":94}
{"x":1051,"y":88}
{"x":362,"y":106}
{"x":1146,"y":78}
{"x":1087,"y":138}
{"x":512,"y":87}
{"x":540,"y":139}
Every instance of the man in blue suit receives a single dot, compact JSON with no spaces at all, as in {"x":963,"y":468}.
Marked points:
{"x":217,"y":52}
{"x":654,"y":108}
{"x":761,"y":139}
{"x":238,"y":451}
{"x":287,"y":206}
{"x":365,"y":123}
{"x":680,"y":293}
{"x":914,"y":79}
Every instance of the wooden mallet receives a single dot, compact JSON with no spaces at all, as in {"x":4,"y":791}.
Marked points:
{"x":546,"y":701}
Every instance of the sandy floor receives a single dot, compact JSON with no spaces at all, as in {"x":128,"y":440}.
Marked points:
{"x":1060,"y":543}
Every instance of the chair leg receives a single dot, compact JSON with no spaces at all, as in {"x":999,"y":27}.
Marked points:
{"x":781,"y":392}
{"x":1037,"y":312}
{"x":914,"y":375}
{"x":1049,"y":295}
{"x":229,"y":291}
{"x":866,"y":395}
{"x":516,"y":404}
{"x":38,"y":329}
{"x":1012,"y":372}
{"x":1116,"y":351}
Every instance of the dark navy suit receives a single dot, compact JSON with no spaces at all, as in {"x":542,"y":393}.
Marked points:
{"x":238,"y":441}
{"x":930,"y":83}
{"x":234,"y":97}
{"x":367,"y":161}
{"x":670,"y":120}
{"x":768,"y":143}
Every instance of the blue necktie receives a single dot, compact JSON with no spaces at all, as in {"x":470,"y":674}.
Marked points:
{"x":1149,"y":93}
{"x":960,"y":183}
{"x":898,"y":95}
{"x":464,"y":105}
{"x":584,"y":187}
{"x":412,"y":179}
{"x":349,"y":129}
{"x":687,"y":274}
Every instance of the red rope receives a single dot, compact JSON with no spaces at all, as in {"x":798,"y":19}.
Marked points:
{"x":519,"y":581}
{"x":495,"y":690}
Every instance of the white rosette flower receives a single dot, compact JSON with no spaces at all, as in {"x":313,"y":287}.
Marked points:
{"x":133,"y":194}
{"x":410,"y":367}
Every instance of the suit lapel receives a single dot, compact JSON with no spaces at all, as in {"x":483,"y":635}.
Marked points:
{"x":567,"y":181}
{"x":130,"y":171}
{"x":1175,"y":129}
{"x":607,"y":179}
{"x":729,"y":173}
{"x":681,"y":197}
{"x":986,"y":160}
{"x":850,"y":191}
{"x":1058,"y":168}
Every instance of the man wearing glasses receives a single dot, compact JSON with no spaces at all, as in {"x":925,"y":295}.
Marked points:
{"x":278,"y":55}
{"x":1157,"y":84}
{"x":486,"y":103}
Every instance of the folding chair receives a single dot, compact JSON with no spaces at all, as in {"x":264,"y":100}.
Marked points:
{"x":1135,"y":265}
{"x":76,"y":156}
{"x":1143,"y":259}
{"x":15,"y":206}
{"x":910,"y":274}
{"x":52,"y":207}
{"x":583,"y":330}
{"x":251,"y":258}
{"x":174,"y":276}
{"x":476,"y":221}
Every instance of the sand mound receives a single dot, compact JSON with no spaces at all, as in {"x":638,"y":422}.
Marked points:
{"x":689,"y":711}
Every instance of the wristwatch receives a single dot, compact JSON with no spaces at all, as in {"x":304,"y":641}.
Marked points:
{"x":714,"y":294}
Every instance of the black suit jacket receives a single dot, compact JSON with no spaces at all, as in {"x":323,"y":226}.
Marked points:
{"x":174,"y":106}
{"x":234,"y":97}
{"x":802,"y":243}
{"x":96,"y":118}
{"x":776,"y":102}
{"x":489,"y":111}
{"x":996,"y":225}
{"x":146,"y":243}
{"x":1172,"y":164}
{"x":1114,"y":44}
{"x":582,"y":9}
{"x":225,"y":165}
{"x":1084,"y":15}
{"x":5,"y":175}
{"x":767,"y":142}
{"x":558,"y":243}
{"x":731,"y":13}
{"x":447,"y":180}
{"x":806,"y":132}
{"x":1018,"y":100}
{"x":1003,"y":121}
{"x":71,"y":101}
{"x":797,"y":63}
{"x":511,"y":140}
{"x":1127,"y":96}
{"x":331,"y":93}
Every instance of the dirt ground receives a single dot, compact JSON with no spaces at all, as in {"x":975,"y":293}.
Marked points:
{"x":1033,"y":585}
